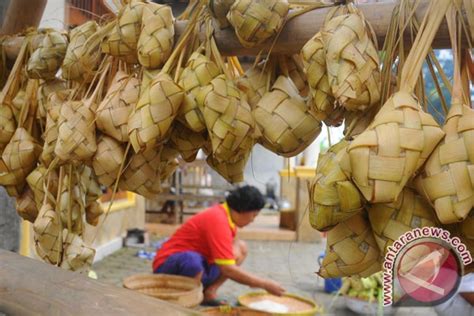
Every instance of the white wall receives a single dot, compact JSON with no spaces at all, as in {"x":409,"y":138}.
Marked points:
{"x":53,"y":16}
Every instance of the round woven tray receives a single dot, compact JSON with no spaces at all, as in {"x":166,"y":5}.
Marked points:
{"x":297,"y":306}
{"x":232,"y":311}
{"x":181,"y":290}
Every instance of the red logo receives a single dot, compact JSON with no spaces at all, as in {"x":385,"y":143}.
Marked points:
{"x":429,"y":272}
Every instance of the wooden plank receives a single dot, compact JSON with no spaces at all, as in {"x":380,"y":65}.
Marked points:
{"x":31,"y":287}
{"x":296,"y":32}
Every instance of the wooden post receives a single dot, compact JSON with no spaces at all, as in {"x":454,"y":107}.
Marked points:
{"x":22,"y":14}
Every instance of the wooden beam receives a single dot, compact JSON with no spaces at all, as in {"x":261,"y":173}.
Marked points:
{"x":31,"y":287}
{"x":297,"y":31}
{"x":22,"y":14}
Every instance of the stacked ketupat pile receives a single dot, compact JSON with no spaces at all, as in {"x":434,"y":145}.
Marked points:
{"x":136,"y":101}
{"x":368,"y":289}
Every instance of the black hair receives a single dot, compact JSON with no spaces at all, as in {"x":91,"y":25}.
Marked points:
{"x":245,"y":199}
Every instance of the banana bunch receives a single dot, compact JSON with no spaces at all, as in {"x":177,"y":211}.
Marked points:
{"x":367,"y":289}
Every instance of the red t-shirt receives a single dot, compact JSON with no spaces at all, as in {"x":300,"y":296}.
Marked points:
{"x":210,"y":233}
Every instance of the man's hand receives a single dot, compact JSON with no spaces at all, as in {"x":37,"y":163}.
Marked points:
{"x":273,"y":287}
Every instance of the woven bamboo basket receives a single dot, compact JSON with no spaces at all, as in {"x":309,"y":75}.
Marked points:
{"x":285,"y":121}
{"x":47,"y":235}
{"x":26,"y":206}
{"x":107,"y":160}
{"x":93,"y":212}
{"x":150,"y":121}
{"x":78,"y":65}
{"x":391,"y":220}
{"x":228,"y":118}
{"x":228,"y":310}
{"x":297,"y":305}
{"x":200,"y":70}
{"x":186,"y":142}
{"x":176,"y":289}
{"x":19,"y":159}
{"x":113,"y":112}
{"x":256,"y":21}
{"x":352,"y":60}
{"x":351,"y":250}
{"x":142,"y":173}
{"x":253,"y":84}
{"x":156,"y":40}
{"x":46,"y":60}
{"x":333,"y":198}
{"x":122,"y":40}
{"x":76,"y":256}
{"x":37,"y":180}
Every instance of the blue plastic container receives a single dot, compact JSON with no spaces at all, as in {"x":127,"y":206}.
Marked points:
{"x":331,"y":285}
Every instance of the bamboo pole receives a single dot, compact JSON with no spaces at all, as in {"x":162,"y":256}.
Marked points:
{"x":22,"y":14}
{"x":296,"y":32}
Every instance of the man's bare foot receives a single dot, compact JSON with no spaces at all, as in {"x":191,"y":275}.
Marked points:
{"x":210,"y":294}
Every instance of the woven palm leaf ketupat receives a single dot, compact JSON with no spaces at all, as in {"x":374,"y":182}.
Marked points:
{"x":391,"y":220}
{"x":93,"y":212}
{"x":77,"y":64}
{"x":19,"y":159}
{"x":36,"y":181}
{"x":399,"y":140}
{"x":47,"y":232}
{"x":71,"y":203}
{"x":26,"y":206}
{"x":76,"y":256}
{"x":107,"y":160}
{"x":253,"y":84}
{"x":186,"y":142}
{"x":123,"y":38}
{"x":255,"y":21}
{"x":156,"y":40}
{"x":287,"y":124}
{"x":314,"y":61}
{"x":447,"y":179}
{"x":296,"y":73}
{"x":219,"y":10}
{"x":45,"y":89}
{"x":89,"y":184}
{"x":333,"y":198}
{"x":351,"y":250}
{"x":232,"y":170}
{"x":228,"y":118}
{"x":147,"y":77}
{"x":142,"y":173}
{"x":46,"y":60}
{"x":113,"y":112}
{"x":198,"y":73}
{"x":352,"y":61}
{"x":150,"y":121}
{"x":17,"y":103}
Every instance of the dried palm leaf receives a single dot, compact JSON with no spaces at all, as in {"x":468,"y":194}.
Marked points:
{"x":200,"y":70}
{"x":114,"y":110}
{"x":253,"y":84}
{"x":123,"y":38}
{"x":156,"y":40}
{"x":142,"y":174}
{"x":150,"y":121}
{"x":26,"y":206}
{"x":391,"y":220}
{"x":333,"y":198}
{"x":36,"y":181}
{"x":352,"y":60}
{"x":47,"y":235}
{"x":186,"y":142}
{"x":228,"y":118}
{"x":107,"y":160}
{"x":78,"y":64}
{"x":76,"y":256}
{"x":256,"y":21}
{"x":45,"y":61}
{"x":351,"y":250}
{"x":285,"y":121}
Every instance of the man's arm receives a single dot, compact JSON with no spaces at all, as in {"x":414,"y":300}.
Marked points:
{"x":239,"y":275}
